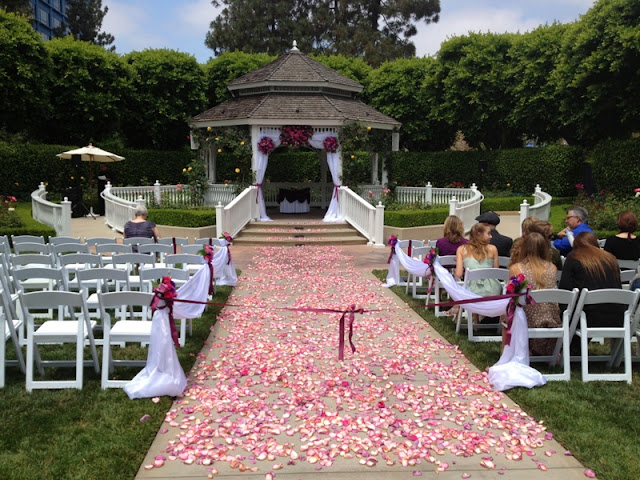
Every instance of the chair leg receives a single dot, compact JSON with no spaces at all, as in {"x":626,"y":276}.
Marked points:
{"x":627,"y":354}
{"x":584,"y":350}
{"x":79,"y":361}
{"x":106,"y":356}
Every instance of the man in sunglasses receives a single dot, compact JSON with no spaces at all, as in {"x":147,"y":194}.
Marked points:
{"x":577,"y":220}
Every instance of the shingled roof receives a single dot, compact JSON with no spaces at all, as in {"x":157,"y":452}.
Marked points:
{"x":293,"y":89}
{"x":297,"y":68}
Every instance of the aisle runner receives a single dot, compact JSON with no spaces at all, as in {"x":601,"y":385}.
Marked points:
{"x":272,"y":393}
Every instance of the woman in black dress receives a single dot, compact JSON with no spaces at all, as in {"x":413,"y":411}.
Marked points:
{"x":625,"y":245}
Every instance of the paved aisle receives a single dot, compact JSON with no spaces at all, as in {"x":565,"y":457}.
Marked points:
{"x":269,"y":394}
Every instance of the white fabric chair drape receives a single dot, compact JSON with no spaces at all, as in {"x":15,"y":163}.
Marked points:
{"x":163,"y":374}
{"x":261,"y":168}
{"x":224,"y":270}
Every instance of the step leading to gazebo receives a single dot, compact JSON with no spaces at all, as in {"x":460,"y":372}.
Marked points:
{"x":297,"y":233}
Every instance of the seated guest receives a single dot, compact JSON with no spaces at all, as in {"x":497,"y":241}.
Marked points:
{"x":590,"y":267}
{"x":501,"y":242}
{"x":534,"y":264}
{"x":625,"y":245}
{"x":140,"y":226}
{"x":577,"y":220}
{"x":453,"y":236}
{"x":545,"y":228}
{"x":527,"y":223}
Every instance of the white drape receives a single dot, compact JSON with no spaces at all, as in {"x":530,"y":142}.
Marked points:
{"x":261,"y":168}
{"x":512,"y":370}
{"x":333,"y":161}
{"x":224,"y":271}
{"x":163,"y":374}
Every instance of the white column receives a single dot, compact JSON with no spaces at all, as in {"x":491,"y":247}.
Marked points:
{"x":219,"y":220}
{"x":156,"y":192}
{"x":395,"y":141}
{"x":374,"y":169}
{"x":66,"y":218}
{"x":211,"y":157}
{"x":255,"y":138}
{"x":428,"y":194}
{"x":378,"y":240}
{"x":323,"y":179}
{"x":453,"y":205}
{"x":524,"y":213}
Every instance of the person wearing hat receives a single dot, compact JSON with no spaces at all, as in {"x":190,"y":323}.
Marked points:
{"x":501,"y":242}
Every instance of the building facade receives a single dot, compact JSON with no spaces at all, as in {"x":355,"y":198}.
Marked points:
{"x":47,"y":16}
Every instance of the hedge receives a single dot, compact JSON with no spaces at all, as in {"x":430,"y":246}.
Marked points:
{"x":556,"y":168}
{"x":183,"y":217}
{"x":26,"y":165}
{"x":416,"y":218}
{"x":31,"y":227}
{"x":616,"y":166}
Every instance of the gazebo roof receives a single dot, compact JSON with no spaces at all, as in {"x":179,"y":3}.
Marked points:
{"x":293,"y":89}
{"x":283,"y":109}
{"x":292,"y":69}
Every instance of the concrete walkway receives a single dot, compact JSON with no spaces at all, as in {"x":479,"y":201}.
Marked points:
{"x":268,"y":397}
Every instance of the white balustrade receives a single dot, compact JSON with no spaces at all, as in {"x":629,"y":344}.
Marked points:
{"x":467,"y":209}
{"x":119,"y":211}
{"x":240,"y":211}
{"x":541,"y":207}
{"x":362,"y":215}
{"x":57,"y":216}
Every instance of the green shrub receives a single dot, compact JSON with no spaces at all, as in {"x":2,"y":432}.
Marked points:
{"x":30,"y":226}
{"x":616,"y":166}
{"x":416,"y":218}
{"x":183,"y":218}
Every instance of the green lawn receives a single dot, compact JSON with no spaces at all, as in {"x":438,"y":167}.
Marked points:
{"x":89,"y":433}
{"x":598,"y":421}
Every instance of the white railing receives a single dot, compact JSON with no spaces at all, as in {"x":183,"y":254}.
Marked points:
{"x":119,"y":211}
{"x":541,"y":207}
{"x":233,"y":217}
{"x":468,"y":209}
{"x":219,"y":193}
{"x":57,"y":216}
{"x":426,"y":195}
{"x":364,"y":217}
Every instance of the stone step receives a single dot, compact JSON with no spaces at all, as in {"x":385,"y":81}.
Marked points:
{"x":292,"y":241}
{"x":289,"y":232}
{"x":299,"y":224}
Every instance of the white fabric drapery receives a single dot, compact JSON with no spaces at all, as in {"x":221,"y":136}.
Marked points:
{"x":224,"y":270}
{"x":261,"y":168}
{"x":512,"y":370}
{"x":333,"y":161}
{"x":163,"y":374}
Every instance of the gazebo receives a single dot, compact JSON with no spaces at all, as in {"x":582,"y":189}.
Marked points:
{"x":294,"y":90}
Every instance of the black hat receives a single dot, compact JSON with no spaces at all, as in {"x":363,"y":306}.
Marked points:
{"x":492,"y":218}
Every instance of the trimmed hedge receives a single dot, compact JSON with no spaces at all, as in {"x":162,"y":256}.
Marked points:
{"x":416,"y":218}
{"x":616,"y":166}
{"x":183,"y":217}
{"x":26,"y":165}
{"x":555,"y":168}
{"x":31,"y":227}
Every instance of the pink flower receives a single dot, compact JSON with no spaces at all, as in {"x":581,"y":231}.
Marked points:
{"x":511,"y":288}
{"x":520,"y":278}
{"x":580,"y":186}
{"x":637,"y":190}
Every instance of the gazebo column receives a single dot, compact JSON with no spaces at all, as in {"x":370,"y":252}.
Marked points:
{"x":323,"y":179}
{"x":210,"y":158}
{"x":374,"y":169}
{"x":395,"y":146}
{"x":255,"y":134}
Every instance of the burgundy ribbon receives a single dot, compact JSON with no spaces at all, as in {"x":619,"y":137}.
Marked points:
{"x":210,"y":242}
{"x":409,"y":249}
{"x":228,"y":255}
{"x":259,"y":185}
{"x":393,"y":247}
{"x":211,"y":277}
{"x":174,"y":246}
{"x":335,"y":192}
{"x":511,"y":310}
{"x":351,"y":311}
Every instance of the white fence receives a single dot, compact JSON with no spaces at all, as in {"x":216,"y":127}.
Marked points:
{"x":119,"y":211}
{"x":541,"y":207}
{"x":364,"y":217}
{"x":240,"y":211}
{"x":427,"y":195}
{"x":57,"y":216}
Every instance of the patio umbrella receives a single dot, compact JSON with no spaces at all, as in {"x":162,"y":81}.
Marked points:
{"x":91,"y":154}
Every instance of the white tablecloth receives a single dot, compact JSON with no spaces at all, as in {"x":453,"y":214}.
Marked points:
{"x":294,"y":207}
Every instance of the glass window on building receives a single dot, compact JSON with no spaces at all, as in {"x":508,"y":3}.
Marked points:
{"x":45,"y":36}
{"x":43,"y":16}
{"x":56,"y":5}
{"x":56,"y":23}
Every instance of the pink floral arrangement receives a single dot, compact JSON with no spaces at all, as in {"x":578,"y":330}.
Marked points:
{"x":166,"y":290}
{"x":517,"y":284}
{"x":295,"y":136}
{"x":392,"y":241}
{"x":457,"y":185}
{"x":227,"y":237}
{"x":580,"y":186}
{"x":330,"y":144}
{"x":637,"y":190}
{"x":207,"y":252}
{"x":266,"y":145}
{"x":431,"y":256}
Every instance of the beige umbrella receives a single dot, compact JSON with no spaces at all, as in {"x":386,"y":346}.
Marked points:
{"x":91,"y":154}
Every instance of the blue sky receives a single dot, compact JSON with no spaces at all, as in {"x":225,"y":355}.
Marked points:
{"x":182,"y":24}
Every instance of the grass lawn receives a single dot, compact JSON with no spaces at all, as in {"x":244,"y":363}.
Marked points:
{"x":598,"y":421}
{"x":89,"y":433}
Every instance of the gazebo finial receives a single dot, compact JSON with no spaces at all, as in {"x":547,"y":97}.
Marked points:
{"x":295,"y":47}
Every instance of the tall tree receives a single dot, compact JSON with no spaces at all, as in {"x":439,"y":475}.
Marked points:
{"x":16,"y":6}
{"x":376,"y":30}
{"x":84,"y":21}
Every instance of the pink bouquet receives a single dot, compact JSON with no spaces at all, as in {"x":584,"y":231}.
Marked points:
{"x":330,"y":144}
{"x":266,"y":145}
{"x":295,"y":136}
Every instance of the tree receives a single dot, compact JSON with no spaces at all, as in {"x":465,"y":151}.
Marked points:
{"x":351,"y":67}
{"x":169,"y":89}
{"x":16,"y":6}
{"x":89,"y":87}
{"x":599,"y":72}
{"x":25,"y":67}
{"x":474,"y":73}
{"x":84,"y":20}
{"x":376,"y":30}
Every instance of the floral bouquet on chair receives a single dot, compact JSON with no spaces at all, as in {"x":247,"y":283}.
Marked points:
{"x":518,"y":284}
{"x":207,"y":252}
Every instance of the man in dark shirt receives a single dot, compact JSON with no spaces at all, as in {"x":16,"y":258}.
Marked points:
{"x":501,"y":242}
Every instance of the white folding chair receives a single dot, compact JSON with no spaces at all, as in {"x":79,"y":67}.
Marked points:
{"x":618,"y":334}
{"x":103,"y":280}
{"x":160,"y":251}
{"x":122,"y":331}
{"x":60,"y":240}
{"x":108,"y":250}
{"x":76,"y":329}
{"x":10,"y":325}
{"x":628,"y":264}
{"x":31,"y":247}
{"x":503,"y":262}
{"x":413,"y":282}
{"x":193,"y":248}
{"x":176,"y":243}
{"x":214,"y":242}
{"x":74,"y":262}
{"x":133,"y":263}
{"x":408,"y":245}
{"x":499,"y":274}
{"x":62,"y":249}
{"x":136,"y":241}
{"x":26,"y":238}
{"x":448,"y":262}
{"x":189,"y":261}
{"x":562,"y":333}
{"x":93,"y":241}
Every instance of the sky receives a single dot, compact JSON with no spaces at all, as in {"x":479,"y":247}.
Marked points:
{"x":182,"y":24}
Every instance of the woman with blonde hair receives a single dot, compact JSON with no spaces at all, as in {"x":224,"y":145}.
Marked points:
{"x":534,"y":263}
{"x":479,"y":253}
{"x":453,"y":236}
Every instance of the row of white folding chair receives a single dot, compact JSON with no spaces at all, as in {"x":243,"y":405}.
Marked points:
{"x":413,"y":282}
{"x":448,"y":262}
{"x":15,"y":239}
{"x":408,"y":245}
